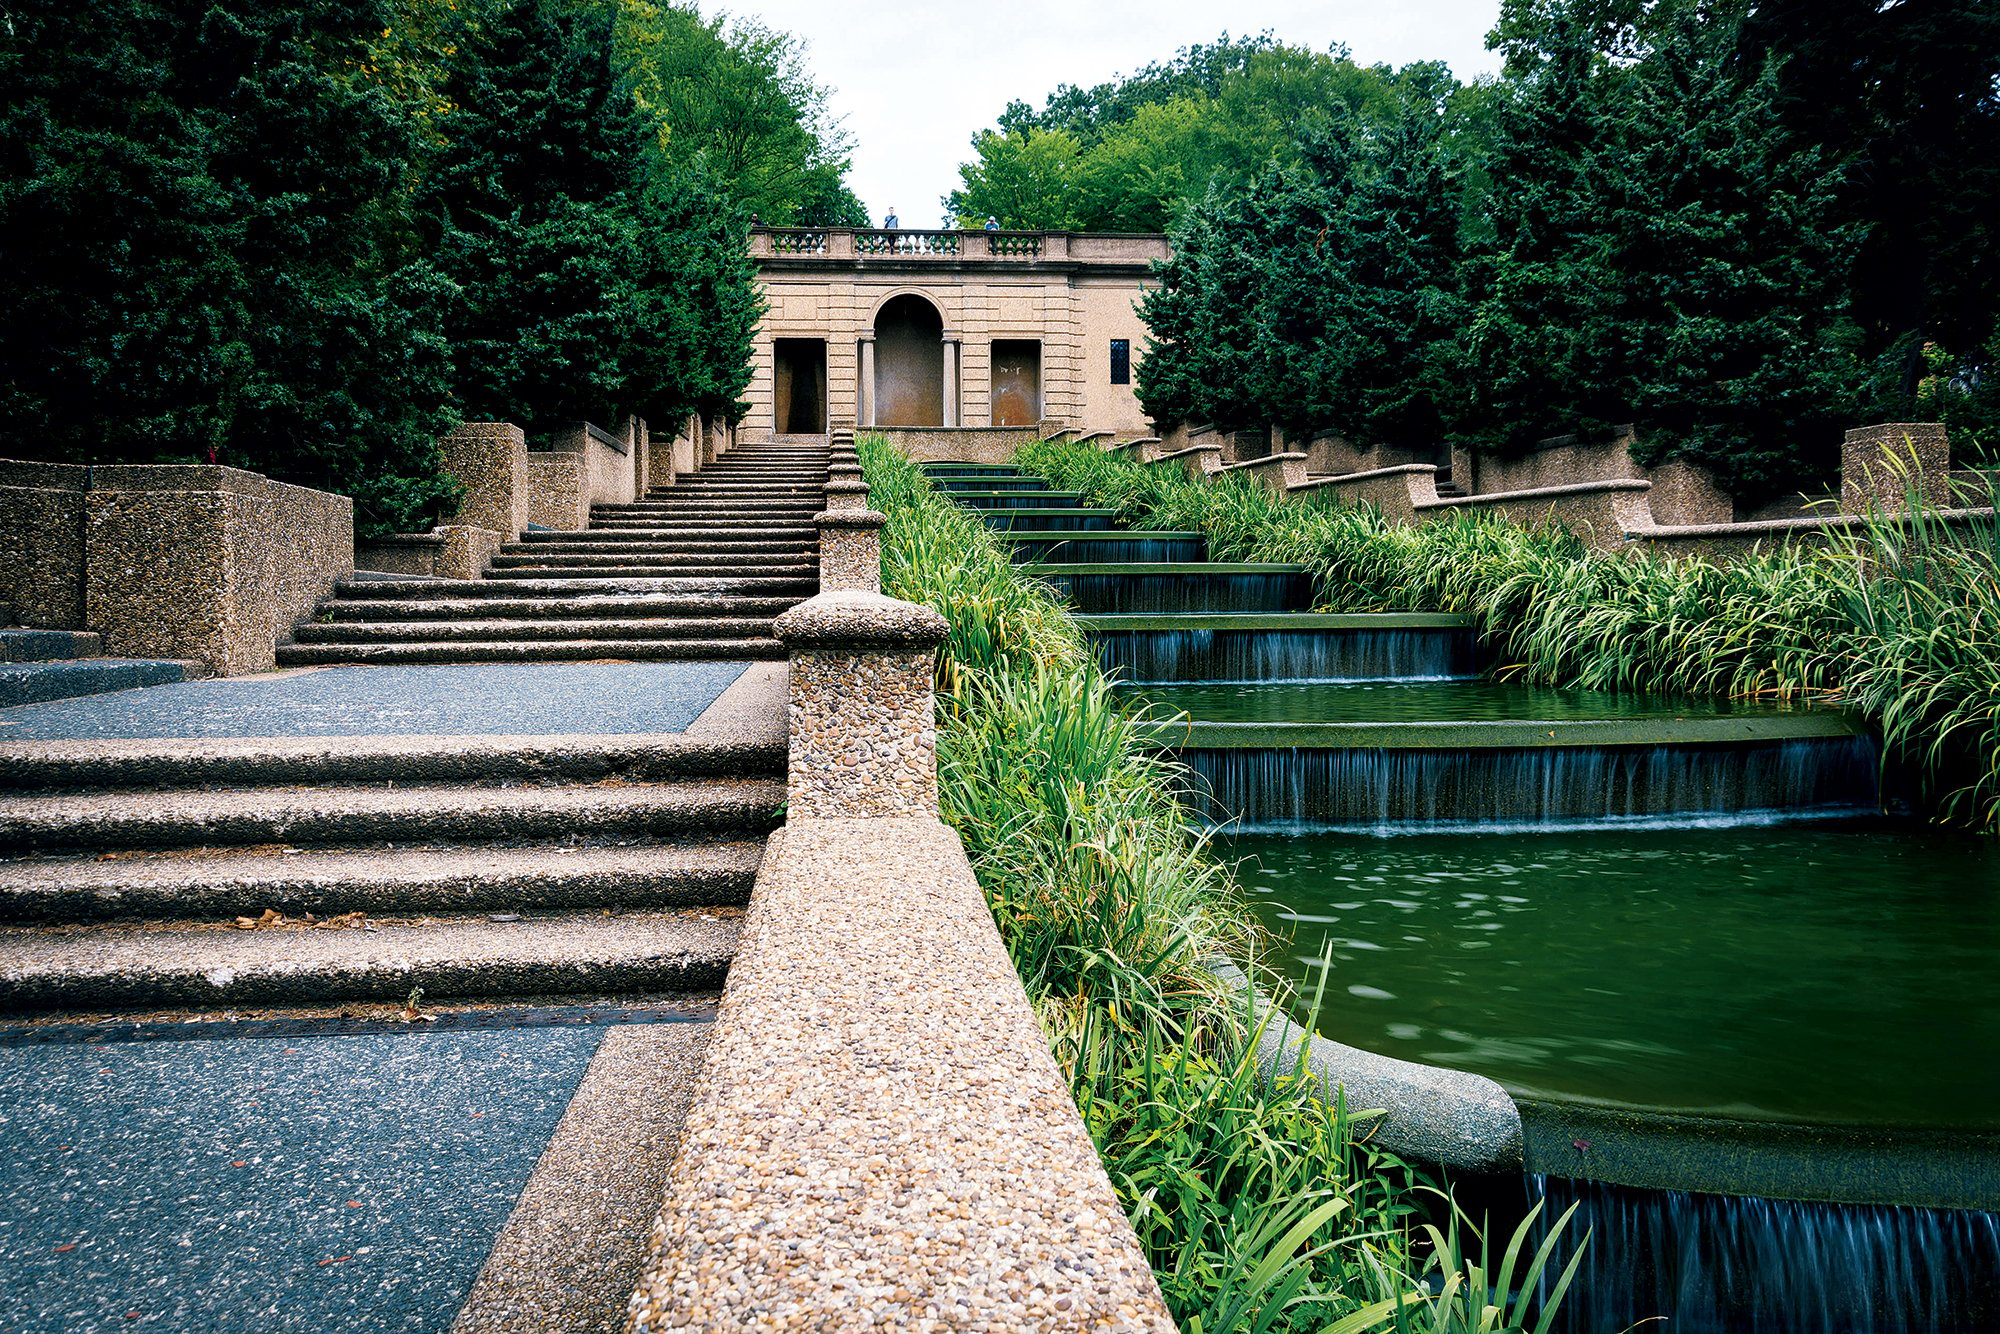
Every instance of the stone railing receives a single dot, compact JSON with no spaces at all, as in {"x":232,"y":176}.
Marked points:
{"x":880,"y":1137}
{"x":1014,"y":243}
{"x":906,"y":243}
{"x":797,"y":242}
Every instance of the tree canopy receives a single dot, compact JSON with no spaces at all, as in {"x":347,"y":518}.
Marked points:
{"x":306,"y":236}
{"x":1717,"y":220}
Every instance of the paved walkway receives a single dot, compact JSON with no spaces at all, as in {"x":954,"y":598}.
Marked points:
{"x":497,"y":699}
{"x":267,"y":1177}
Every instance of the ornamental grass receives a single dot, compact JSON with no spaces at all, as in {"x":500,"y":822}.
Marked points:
{"x":1258,"y":1202}
{"x":1897,"y":619}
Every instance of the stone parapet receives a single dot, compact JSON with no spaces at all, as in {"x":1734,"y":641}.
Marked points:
{"x":208,"y":563}
{"x":41,"y":543}
{"x":490,"y":460}
{"x":880,"y":1137}
{"x":863,"y":731}
{"x":557,"y":490}
{"x":1882,"y":467}
{"x":850,"y":549}
{"x":961,"y":444}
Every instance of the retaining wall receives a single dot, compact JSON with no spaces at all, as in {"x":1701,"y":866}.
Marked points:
{"x":41,"y":543}
{"x":207,"y":563}
{"x":880,"y":1136}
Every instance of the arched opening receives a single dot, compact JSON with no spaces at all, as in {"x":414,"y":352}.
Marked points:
{"x":909,"y":363}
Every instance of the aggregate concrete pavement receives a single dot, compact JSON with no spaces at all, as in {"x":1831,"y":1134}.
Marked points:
{"x":297,"y":1183}
{"x":483,"y":699}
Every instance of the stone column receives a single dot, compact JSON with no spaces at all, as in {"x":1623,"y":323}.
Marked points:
{"x":1881,"y":467}
{"x":862,"y":713}
{"x":864,"y":394}
{"x":850,"y":548}
{"x":950,"y":380}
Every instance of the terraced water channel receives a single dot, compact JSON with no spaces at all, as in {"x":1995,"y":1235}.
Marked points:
{"x":1679,"y":934}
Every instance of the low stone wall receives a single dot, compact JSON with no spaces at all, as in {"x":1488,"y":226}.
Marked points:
{"x":207,"y":563}
{"x":449,"y":551}
{"x":41,"y":543}
{"x":1674,"y":508}
{"x":957,"y":444}
{"x":607,"y":466}
{"x":557,"y":495}
{"x":490,"y":460}
{"x":880,"y":1136}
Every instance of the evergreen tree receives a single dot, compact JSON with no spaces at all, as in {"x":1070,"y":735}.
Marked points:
{"x":203,"y":216}
{"x":1733,"y":265}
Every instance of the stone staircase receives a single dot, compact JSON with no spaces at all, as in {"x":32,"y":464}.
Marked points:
{"x":41,"y":665}
{"x":698,"y":570}
{"x":308,"y":871}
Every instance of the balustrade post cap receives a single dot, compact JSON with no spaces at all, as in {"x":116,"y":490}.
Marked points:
{"x":854,"y":619}
{"x":850,"y":518}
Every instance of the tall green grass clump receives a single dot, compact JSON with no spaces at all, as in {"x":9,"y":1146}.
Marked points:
{"x":1256,"y":1201}
{"x":1899,"y":620}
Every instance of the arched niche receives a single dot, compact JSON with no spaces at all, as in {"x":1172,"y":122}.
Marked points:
{"x":909,"y":363}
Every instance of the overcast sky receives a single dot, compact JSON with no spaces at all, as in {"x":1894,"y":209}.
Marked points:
{"x":914,"y":80}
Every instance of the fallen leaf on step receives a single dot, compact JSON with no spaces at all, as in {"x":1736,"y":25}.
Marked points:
{"x":346,"y":921}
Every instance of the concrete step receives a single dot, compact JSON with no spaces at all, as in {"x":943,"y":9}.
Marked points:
{"x":358,"y":815}
{"x":660,"y":567}
{"x":695,"y":509}
{"x":48,"y":767}
{"x":446,"y":650}
{"x":38,"y":682}
{"x":359,"y":606}
{"x":48,"y":645}
{"x":171,"y":886}
{"x":89,"y":967}
{"x":803,"y":534}
{"x":660,"y":562}
{"x":458,"y":591}
{"x":501,"y":631}
{"x":663,"y":546}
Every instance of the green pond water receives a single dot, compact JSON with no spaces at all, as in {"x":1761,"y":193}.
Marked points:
{"x":1835,"y":974}
{"x":1415,"y":702}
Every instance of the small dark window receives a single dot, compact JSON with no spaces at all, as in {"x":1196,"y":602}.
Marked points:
{"x":1121,"y":361}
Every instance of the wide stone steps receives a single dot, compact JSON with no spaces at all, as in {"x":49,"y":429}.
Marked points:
{"x":663,"y":546}
{"x":228,"y":883}
{"x":715,"y":628}
{"x":761,"y":562}
{"x":355,"y":815}
{"x":443,"y":649}
{"x":457,"y":590}
{"x":707,"y":531}
{"x":208,"y":964}
{"x":565,"y":607}
{"x":646,"y":569}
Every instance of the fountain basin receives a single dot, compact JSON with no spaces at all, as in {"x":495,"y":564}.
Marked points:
{"x":1294,"y":647}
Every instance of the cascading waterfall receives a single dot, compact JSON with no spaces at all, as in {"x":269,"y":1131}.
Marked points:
{"x":1231,"y":657}
{"x":1221,"y":591}
{"x":1059,"y":551}
{"x":1500,"y":789}
{"x":1725,"y":1264}
{"x":1017,"y":521}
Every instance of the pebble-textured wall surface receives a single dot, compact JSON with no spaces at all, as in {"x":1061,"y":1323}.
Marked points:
{"x":880,"y":1138}
{"x":467,"y":551}
{"x":206,"y":563}
{"x":555,"y":491}
{"x":1880,"y":465}
{"x":41,"y":543}
{"x":490,"y":460}
{"x":864,"y":741}
{"x":850,"y":550}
